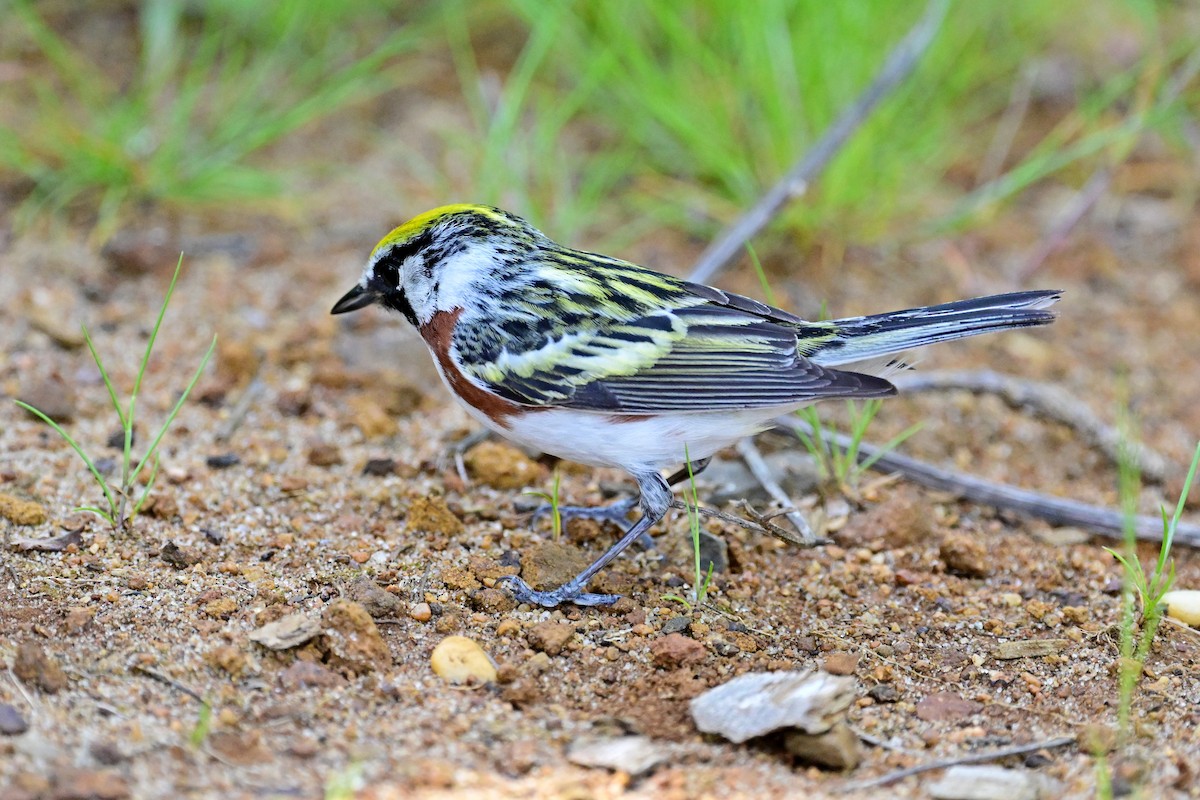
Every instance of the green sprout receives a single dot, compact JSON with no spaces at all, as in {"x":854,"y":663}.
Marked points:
{"x":842,"y":464}
{"x":703,"y":580}
{"x":123,"y":502}
{"x":1146,"y":586}
{"x":552,"y":499}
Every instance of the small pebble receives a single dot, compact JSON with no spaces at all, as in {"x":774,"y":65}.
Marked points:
{"x":223,"y":461}
{"x":1184,"y":605}
{"x":676,"y":625}
{"x":458,"y":659}
{"x":421,"y":612}
{"x":836,"y":748}
{"x":11,"y":721}
{"x":21,"y":512}
{"x":756,"y":703}
{"x":379,"y":467}
{"x":990,"y":782}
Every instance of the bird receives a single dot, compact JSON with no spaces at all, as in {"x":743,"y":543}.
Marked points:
{"x":600,"y":361}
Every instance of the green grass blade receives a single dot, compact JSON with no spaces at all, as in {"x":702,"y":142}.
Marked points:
{"x":112,"y":504}
{"x":108,"y":384}
{"x":178,"y":405}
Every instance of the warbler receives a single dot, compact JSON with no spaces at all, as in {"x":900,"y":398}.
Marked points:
{"x":601,"y":361}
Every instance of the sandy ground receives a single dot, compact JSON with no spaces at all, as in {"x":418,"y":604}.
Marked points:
{"x":112,"y":643}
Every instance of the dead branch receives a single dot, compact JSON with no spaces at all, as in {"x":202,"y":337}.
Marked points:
{"x":1055,"y":510}
{"x":762,"y":473}
{"x":757,"y":522}
{"x":972,"y":758}
{"x":1049,"y":401}
{"x":900,"y":63}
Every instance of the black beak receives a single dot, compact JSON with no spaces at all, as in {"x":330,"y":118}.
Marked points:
{"x":356,"y":298}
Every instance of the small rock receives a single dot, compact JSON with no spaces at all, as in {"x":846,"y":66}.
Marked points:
{"x":35,"y":667}
{"x":286,"y":632}
{"x":458,"y":659}
{"x":676,"y":624}
{"x":548,"y":565}
{"x":965,"y":555}
{"x":378,"y":602}
{"x":350,"y":641}
{"x":21,"y":512}
{"x":223,"y":461}
{"x":89,"y":784}
{"x":371,"y":418}
{"x":136,"y":252}
{"x":54,"y":310}
{"x":178,"y":557}
{"x":11,"y":721}
{"x":227,"y":658}
{"x":757,"y":703}
{"x":550,"y":637}
{"x":989,"y":782}
{"x":51,"y":395}
{"x":713,"y":551}
{"x":107,"y":754}
{"x":1030,"y":648}
{"x":502,"y":466}
{"x":431,"y":515}
{"x":302,"y":674}
{"x":836,"y":748}
{"x":633,"y":755}
{"x":421,"y":612}
{"x":221,"y":608}
{"x":841,"y":663}
{"x":884,"y":693}
{"x":243,"y":748}
{"x":380,"y":467}
{"x":492,"y":601}
{"x":676,"y":650}
{"x":324,"y":454}
{"x":1183,"y":605}
{"x":945,"y":707}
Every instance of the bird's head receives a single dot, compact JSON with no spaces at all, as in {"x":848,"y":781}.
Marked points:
{"x":434,"y":261}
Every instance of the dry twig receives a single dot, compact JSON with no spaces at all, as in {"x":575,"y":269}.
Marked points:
{"x":762,"y":473}
{"x":1049,"y":401}
{"x":973,"y":758}
{"x":1055,"y":510}
{"x":758,"y":523}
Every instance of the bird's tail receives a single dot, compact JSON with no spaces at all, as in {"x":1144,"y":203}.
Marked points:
{"x":863,"y":341}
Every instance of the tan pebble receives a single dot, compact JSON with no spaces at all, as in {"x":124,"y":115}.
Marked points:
{"x":1183,"y":605}
{"x":508,"y":627}
{"x":458,"y":659}
{"x":1010,"y":599}
{"x":21,"y":512}
{"x":360,"y":556}
{"x":421,"y":612}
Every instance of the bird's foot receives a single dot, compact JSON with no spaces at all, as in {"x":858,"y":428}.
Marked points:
{"x":570,"y":592}
{"x":617,"y":513}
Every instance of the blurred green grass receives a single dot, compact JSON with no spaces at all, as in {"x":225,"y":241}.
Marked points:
{"x":592,"y":118}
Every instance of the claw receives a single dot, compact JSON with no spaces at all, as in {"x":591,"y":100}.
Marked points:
{"x":568,"y":593}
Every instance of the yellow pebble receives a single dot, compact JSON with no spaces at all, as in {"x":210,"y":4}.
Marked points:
{"x":458,"y":659}
{"x":1183,"y":605}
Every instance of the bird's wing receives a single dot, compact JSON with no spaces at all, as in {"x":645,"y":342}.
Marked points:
{"x":716,"y":352}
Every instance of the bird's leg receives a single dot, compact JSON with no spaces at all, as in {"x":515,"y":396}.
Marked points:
{"x":655,"y":500}
{"x":618,"y":512}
